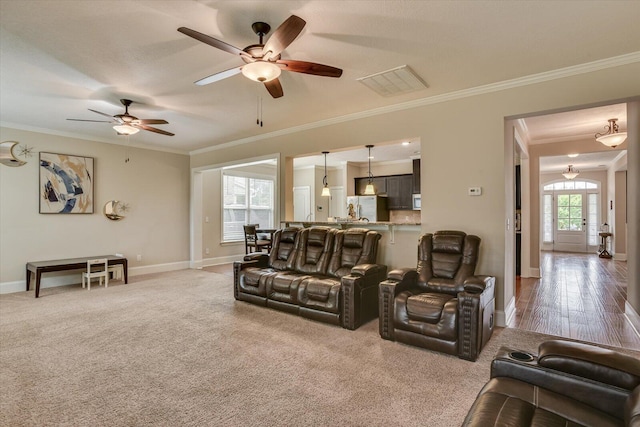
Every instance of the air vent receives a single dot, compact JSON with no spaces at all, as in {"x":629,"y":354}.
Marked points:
{"x":394,"y":81}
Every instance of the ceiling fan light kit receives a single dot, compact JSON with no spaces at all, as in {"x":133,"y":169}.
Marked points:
{"x":125,"y":130}
{"x":261,"y":71}
{"x":611,"y":138}
{"x":126,"y":124}
{"x":262,"y":61}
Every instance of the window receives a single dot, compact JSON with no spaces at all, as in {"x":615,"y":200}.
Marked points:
{"x":570,"y":212}
{"x":547,"y":219}
{"x":570,"y":185}
{"x":592,"y":218}
{"x":246,"y":200}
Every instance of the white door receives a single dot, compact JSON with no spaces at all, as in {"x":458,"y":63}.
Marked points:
{"x":570,"y":221}
{"x":337,"y":206}
{"x":302,"y":203}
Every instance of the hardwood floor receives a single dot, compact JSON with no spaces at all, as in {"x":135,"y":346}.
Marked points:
{"x":580,"y":296}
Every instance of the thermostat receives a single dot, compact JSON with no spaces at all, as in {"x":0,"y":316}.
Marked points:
{"x":475,"y":191}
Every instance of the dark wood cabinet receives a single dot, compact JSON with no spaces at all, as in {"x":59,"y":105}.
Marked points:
{"x":399,"y":192}
{"x":416,"y":176}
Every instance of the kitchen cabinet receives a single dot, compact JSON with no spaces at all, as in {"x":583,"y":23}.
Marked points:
{"x":416,"y":176}
{"x":399,"y":192}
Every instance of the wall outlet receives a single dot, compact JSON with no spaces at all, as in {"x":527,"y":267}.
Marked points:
{"x":206,"y":251}
{"x":475,"y":191}
{"x":139,"y":257}
{"x":206,"y":219}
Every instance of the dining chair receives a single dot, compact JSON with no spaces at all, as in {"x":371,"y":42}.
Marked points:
{"x":251,"y":240}
{"x":96,"y":268}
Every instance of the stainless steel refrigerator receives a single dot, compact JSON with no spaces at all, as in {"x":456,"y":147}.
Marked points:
{"x":373,"y":208}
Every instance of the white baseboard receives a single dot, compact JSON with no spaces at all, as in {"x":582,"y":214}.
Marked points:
{"x":208,"y":262}
{"x":503,"y":318}
{"x":619,"y":257}
{"x":534,"y":272}
{"x":54,"y":279}
{"x":632,"y":316}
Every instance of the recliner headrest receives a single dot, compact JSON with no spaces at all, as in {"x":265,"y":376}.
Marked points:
{"x":448,"y":243}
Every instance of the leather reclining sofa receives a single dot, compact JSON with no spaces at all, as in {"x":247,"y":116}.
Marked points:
{"x":566,"y":384}
{"x":320,"y":273}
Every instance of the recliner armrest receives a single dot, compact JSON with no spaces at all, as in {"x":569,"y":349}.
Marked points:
{"x":366,"y":270}
{"x":596,"y":363}
{"x":603,"y":396}
{"x":477,"y":284}
{"x":260,"y":262}
{"x":403,"y":275}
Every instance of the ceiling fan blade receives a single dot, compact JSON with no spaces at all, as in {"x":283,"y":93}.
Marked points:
{"x":274,"y":87}
{"x":284,"y":35}
{"x":310,"y":68}
{"x":219,"y":76}
{"x":94,"y":121}
{"x":152,"y":129}
{"x":104,"y":114}
{"x":152,"y":122}
{"x":211,"y":41}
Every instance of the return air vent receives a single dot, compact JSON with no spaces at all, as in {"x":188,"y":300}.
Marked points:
{"x":394,"y":81}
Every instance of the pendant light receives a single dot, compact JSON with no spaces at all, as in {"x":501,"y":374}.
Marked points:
{"x":570,"y":172}
{"x":325,"y":184}
{"x":369,"y":190}
{"x":611,"y":138}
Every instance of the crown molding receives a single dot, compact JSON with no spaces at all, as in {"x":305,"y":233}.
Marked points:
{"x":589,"y":67}
{"x":127,"y":143}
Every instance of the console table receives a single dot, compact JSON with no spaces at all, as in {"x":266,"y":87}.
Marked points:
{"x":602,"y":251}
{"x":39,"y":267}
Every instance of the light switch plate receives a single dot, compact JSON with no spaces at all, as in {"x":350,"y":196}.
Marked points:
{"x":475,"y":191}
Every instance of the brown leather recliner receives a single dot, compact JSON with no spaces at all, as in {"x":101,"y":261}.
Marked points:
{"x":319,"y":273}
{"x":441,"y":305}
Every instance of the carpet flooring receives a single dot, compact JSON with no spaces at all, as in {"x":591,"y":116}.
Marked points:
{"x":176,"y":349}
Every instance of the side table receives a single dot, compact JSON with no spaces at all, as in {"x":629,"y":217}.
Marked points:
{"x":602,"y":250}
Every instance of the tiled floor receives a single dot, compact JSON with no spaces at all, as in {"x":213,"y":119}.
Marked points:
{"x":580,"y":296}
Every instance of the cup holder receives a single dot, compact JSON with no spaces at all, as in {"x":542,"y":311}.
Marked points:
{"x":521,"y":356}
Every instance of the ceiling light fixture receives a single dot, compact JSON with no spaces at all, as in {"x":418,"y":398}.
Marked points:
{"x":570,"y":172}
{"x":572,"y":155}
{"x":325,"y":184}
{"x":369,"y":190}
{"x":126,"y":129}
{"x":611,"y":138}
{"x":261,"y":71}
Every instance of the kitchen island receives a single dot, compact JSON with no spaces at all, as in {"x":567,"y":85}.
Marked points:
{"x":398,"y":246}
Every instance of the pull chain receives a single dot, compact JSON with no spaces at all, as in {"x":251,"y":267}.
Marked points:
{"x":259,"y":112}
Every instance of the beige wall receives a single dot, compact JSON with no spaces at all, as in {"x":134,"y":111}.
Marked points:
{"x":154,"y":184}
{"x":620,"y":214}
{"x":462,"y":145}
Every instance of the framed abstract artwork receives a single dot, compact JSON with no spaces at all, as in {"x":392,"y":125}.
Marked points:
{"x":66,"y":184}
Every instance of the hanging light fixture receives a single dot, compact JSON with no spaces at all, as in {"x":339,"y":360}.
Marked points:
{"x":325,"y":184}
{"x":126,"y":129}
{"x":570,"y":172}
{"x":611,"y":138}
{"x":369,"y":190}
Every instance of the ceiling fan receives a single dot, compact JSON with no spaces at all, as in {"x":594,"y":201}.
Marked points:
{"x":126,"y":124}
{"x":262,"y":61}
